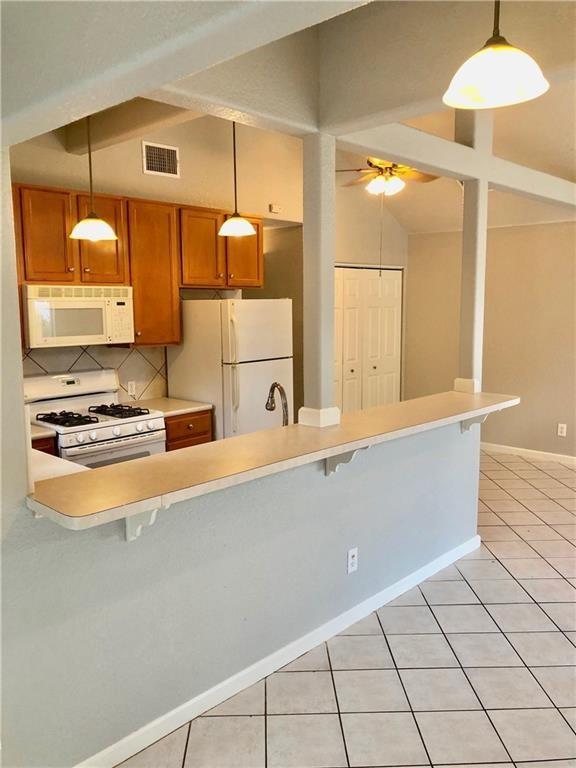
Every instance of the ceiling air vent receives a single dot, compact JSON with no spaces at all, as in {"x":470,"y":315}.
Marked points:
{"x":160,"y":160}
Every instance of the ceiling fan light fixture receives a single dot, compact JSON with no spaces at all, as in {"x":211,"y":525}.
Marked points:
{"x":236,"y":226}
{"x":93,"y":228}
{"x":498,"y":75}
{"x":385,"y":185}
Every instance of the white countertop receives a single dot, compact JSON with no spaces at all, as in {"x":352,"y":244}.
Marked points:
{"x":171,"y":406}
{"x":121,"y":490}
{"x":44,"y":466}
{"x":38,"y":431}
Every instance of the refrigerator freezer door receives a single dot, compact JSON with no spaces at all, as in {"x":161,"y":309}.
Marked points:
{"x":256,"y":329}
{"x":246,"y":389}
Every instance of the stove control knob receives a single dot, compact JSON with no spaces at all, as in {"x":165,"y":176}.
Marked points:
{"x":93,"y":435}
{"x":116,"y":431}
{"x":150,"y":424}
{"x":80,"y":437}
{"x":139,"y":426}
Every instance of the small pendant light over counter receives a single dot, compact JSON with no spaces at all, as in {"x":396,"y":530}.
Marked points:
{"x":498,"y":75}
{"x":236,"y":225}
{"x":92,"y":227}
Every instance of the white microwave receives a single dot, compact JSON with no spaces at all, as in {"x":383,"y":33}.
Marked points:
{"x":78,"y":315}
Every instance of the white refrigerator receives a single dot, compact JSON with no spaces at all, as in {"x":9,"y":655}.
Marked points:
{"x":232,"y":351}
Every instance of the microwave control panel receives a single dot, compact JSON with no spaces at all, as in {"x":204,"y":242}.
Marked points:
{"x":121,"y":316}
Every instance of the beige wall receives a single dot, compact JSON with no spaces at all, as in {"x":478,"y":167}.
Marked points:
{"x":269,"y":167}
{"x":530,"y":328}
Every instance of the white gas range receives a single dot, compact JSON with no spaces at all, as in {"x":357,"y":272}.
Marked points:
{"x":93,"y":428}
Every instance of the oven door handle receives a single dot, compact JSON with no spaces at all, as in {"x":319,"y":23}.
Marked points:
{"x":106,"y":445}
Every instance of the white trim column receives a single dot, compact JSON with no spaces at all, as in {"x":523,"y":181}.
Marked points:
{"x":473,"y":129}
{"x":319,"y":255}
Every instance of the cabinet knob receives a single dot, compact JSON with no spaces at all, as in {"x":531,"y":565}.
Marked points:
{"x":190,"y":426}
{"x":87,"y":269}
{"x":221,"y":274}
{"x":71,"y":269}
{"x":138,"y":333}
{"x":351,"y":370}
{"x":231,"y":275}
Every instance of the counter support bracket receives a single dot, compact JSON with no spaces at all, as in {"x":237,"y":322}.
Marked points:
{"x":332,"y":463}
{"x":135,"y":523}
{"x":467,"y":423}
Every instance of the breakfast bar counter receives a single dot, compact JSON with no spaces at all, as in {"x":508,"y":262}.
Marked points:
{"x":143,"y":486}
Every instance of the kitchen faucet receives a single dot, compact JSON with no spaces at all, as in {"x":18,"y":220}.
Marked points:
{"x":271,"y":402}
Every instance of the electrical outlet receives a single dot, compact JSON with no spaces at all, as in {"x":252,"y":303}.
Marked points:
{"x":274,"y":208}
{"x":132,"y":388}
{"x":352,"y":560}
{"x":562,"y":430}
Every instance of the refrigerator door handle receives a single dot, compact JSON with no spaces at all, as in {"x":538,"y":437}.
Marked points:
{"x":233,"y":338}
{"x":235,"y":397}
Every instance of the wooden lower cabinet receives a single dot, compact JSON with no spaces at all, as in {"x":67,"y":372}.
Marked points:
{"x":45,"y":444}
{"x":188,"y":429}
{"x":245,"y":259}
{"x":154,"y":259}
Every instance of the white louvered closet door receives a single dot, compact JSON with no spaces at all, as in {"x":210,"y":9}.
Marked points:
{"x":371,"y":333}
{"x":338,"y":304}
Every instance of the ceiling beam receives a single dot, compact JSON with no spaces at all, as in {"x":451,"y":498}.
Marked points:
{"x":126,"y":121}
{"x":447,"y":158}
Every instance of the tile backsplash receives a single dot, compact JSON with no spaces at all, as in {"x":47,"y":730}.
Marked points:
{"x":146,"y":366}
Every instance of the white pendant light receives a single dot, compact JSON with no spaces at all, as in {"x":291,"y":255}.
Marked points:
{"x":92,"y":227}
{"x":236,"y":225}
{"x":498,"y":75}
{"x":386,"y":185}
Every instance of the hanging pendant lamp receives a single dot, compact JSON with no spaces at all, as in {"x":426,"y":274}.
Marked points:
{"x":498,"y":75}
{"x":236,"y":225}
{"x":92,"y":227}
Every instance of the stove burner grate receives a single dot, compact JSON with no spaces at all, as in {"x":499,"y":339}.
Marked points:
{"x":66,"y":418}
{"x":118,"y":410}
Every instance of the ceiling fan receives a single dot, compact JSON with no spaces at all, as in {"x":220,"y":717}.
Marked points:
{"x":385,"y":177}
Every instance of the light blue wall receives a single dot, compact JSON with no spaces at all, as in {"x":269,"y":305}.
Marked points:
{"x":102,"y":636}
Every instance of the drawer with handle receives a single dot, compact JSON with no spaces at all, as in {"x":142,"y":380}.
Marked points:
{"x":189,"y":426}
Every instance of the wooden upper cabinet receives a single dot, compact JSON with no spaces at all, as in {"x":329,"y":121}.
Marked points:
{"x":154,"y":266}
{"x":245,"y":258}
{"x":203,"y":252}
{"x":47,"y":219}
{"x":107,"y":260}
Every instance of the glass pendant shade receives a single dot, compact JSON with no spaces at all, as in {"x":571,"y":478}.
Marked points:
{"x":93,"y":228}
{"x":236,"y":226}
{"x":498,"y":75}
{"x":385,"y":185}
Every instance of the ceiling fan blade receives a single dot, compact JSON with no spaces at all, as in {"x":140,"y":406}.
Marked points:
{"x":419,"y":176}
{"x":380,"y":163}
{"x":354,"y":170}
{"x":361,"y":179}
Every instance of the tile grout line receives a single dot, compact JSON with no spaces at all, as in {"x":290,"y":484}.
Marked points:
{"x":186,"y":745}
{"x":397,"y":670}
{"x":266,"y":722}
{"x":338,"y":706}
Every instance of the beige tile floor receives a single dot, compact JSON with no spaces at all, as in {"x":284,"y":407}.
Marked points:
{"x":476,"y":666}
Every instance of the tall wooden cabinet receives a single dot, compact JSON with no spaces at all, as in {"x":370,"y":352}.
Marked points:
{"x":245,"y":259}
{"x":154,"y":250}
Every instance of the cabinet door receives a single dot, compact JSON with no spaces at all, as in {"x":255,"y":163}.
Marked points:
{"x":154,"y":256}
{"x":245,"y":258}
{"x":107,"y":260}
{"x":47,"y":220}
{"x":203,"y":252}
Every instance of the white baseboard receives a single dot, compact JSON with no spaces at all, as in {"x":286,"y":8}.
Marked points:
{"x":528,"y":453}
{"x":167,"y":723}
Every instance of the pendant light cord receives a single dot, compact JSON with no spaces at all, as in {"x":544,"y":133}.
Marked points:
{"x":89,"y":141}
{"x":234,"y":156}
{"x":496,"y":31}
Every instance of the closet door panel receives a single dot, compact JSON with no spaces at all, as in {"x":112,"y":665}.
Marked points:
{"x":352,"y":319}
